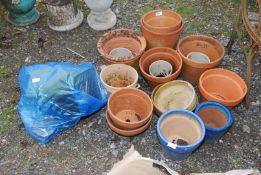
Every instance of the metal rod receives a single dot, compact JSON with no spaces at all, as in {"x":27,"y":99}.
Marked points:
{"x":75,"y":52}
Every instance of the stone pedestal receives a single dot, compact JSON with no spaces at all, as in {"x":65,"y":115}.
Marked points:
{"x":101,"y":16}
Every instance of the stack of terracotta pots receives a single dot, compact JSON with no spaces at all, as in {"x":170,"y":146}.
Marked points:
{"x":162,"y":28}
{"x":129,"y":111}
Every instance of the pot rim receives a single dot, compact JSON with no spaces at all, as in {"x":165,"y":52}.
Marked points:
{"x":127,"y":132}
{"x":123,"y":65}
{"x":176,"y":81}
{"x":178,"y":16}
{"x":107,"y":57}
{"x":162,"y":34}
{"x":174,"y":55}
{"x":156,"y":110}
{"x":227,"y":113}
{"x":221,"y":71}
{"x":187,"y":114}
{"x":127,"y":89}
{"x":197,"y":64}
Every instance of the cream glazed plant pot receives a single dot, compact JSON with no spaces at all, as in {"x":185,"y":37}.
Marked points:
{"x":101,"y":16}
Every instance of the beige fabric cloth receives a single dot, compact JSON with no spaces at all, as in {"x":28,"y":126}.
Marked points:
{"x":134,"y":164}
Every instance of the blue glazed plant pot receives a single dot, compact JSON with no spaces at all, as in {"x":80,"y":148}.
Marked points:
{"x":21,"y":12}
{"x":216,"y":117}
{"x":180,"y":132}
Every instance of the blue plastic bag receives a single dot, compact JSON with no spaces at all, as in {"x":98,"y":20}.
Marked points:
{"x":55,"y":96}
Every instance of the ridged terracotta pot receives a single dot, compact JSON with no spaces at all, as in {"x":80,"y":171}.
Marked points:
{"x":125,"y":132}
{"x":129,"y":108}
{"x":192,"y":70}
{"x":118,"y":76}
{"x":223,"y":86}
{"x":162,"y":21}
{"x":121,"y":38}
{"x":156,"y":39}
{"x":160,"y":53}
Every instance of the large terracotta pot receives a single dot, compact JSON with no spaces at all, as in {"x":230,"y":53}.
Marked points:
{"x":156,"y":39}
{"x":129,"y":108}
{"x":192,"y":70}
{"x":223,"y":86}
{"x":121,"y":38}
{"x":160,"y":53}
{"x":162,"y":21}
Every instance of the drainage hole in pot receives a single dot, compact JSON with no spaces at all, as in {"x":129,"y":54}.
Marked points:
{"x":127,"y":120}
{"x":180,"y":142}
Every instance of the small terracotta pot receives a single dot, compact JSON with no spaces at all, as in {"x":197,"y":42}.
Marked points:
{"x":155,"y":39}
{"x":223,"y":86}
{"x":118,"y":76}
{"x":121,"y":38}
{"x":177,"y":94}
{"x":130,"y":108}
{"x":123,"y":132}
{"x":160,"y":53}
{"x":162,"y":21}
{"x":192,"y":70}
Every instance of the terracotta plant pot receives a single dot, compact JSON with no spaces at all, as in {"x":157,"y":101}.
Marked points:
{"x":129,"y":108}
{"x":192,"y":70}
{"x":121,"y":38}
{"x":162,"y":21}
{"x":156,"y":39}
{"x":118,"y":76}
{"x":124,"y":132}
{"x":216,"y":117}
{"x":180,"y":132}
{"x":177,"y":94}
{"x":223,"y":86}
{"x":160,"y":53}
